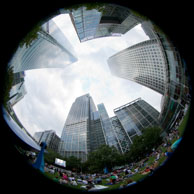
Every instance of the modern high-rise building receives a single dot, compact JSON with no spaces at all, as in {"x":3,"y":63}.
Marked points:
{"x":135,"y":117}
{"x":86,"y":129}
{"x":147,"y":27}
{"x":123,"y":139}
{"x":109,"y":20}
{"x":109,"y":133}
{"x":18,"y":78}
{"x":143,"y":63}
{"x":49,"y":137}
{"x":75,"y":139}
{"x":177,"y":86}
{"x":17,"y":92}
{"x":96,"y":134}
{"x":50,"y":49}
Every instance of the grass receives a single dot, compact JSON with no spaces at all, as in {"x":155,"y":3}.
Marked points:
{"x":183,"y":124}
{"x":136,"y":177}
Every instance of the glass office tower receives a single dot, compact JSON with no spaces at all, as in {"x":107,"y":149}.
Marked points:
{"x":109,"y":20}
{"x":49,"y":137}
{"x":176,"y":95}
{"x":122,"y":136}
{"x":96,"y":134}
{"x":17,"y":93}
{"x":115,"y":21}
{"x":136,"y":116}
{"x":143,"y":63}
{"x":46,"y":51}
{"x":85,"y":22}
{"x":75,"y":135}
{"x":109,"y":133}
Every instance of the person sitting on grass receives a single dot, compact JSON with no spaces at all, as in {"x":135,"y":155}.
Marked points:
{"x":65,"y":177}
{"x":146,"y":171}
{"x":98,"y":180}
{"x":127,"y":183}
{"x":110,"y":181}
{"x":73,"y":182}
{"x":90,"y":184}
{"x":63,"y":181}
{"x":113,"y":178}
{"x":169,"y":152}
{"x":122,"y":186}
{"x":56,"y":179}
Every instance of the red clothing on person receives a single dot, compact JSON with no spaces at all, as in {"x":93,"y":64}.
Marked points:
{"x":65,"y":177}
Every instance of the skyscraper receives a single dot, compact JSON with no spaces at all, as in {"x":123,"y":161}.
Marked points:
{"x":109,"y":133}
{"x":49,"y":137}
{"x":177,"y":87}
{"x":135,"y":117}
{"x":45,"y":51}
{"x":123,"y":139}
{"x":75,"y":135}
{"x":143,"y":63}
{"x":18,"y":78}
{"x":96,"y":134}
{"x":17,"y":93}
{"x":109,"y":20}
{"x":147,"y":27}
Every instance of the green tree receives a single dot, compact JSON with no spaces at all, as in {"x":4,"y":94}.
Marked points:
{"x":8,"y":82}
{"x":73,"y":163}
{"x":104,"y":156}
{"x":89,"y":6}
{"x":50,"y":156}
{"x":144,"y":144}
{"x":31,"y":36}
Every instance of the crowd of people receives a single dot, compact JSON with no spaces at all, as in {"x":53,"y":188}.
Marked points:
{"x":89,"y":181}
{"x":124,"y":174}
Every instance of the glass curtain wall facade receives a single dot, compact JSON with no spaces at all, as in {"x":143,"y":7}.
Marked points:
{"x":85,"y":22}
{"x":18,"y":90}
{"x":109,"y":20}
{"x":110,"y":135}
{"x":18,"y":78}
{"x":136,"y":116}
{"x":148,"y":29}
{"x":17,"y":93}
{"x":75,"y":136}
{"x":143,"y":63}
{"x":50,"y":43}
{"x":115,"y":21}
{"x":177,"y":91}
{"x":96,"y":136}
{"x":122,"y":135}
{"x":49,"y":137}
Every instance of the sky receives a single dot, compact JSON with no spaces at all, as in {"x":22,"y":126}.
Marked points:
{"x":51,"y":91}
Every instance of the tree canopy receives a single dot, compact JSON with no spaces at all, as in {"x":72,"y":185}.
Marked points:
{"x":31,"y":36}
{"x":143,"y":145}
{"x":8,"y":82}
{"x":109,"y":157}
{"x":104,"y":156}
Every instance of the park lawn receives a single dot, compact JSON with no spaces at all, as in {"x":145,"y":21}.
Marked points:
{"x":164,"y":149}
{"x":183,"y":124}
{"x":53,"y":176}
{"x":138,"y":177}
{"x":161,"y":160}
{"x":112,"y":187}
{"x":151,"y":160}
{"x":49,"y":175}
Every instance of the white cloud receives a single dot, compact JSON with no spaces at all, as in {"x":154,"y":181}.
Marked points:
{"x":51,"y":92}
